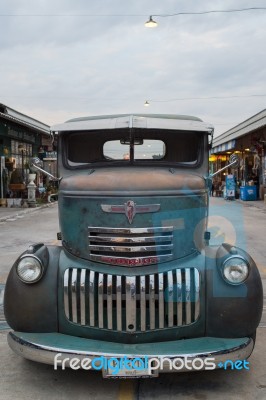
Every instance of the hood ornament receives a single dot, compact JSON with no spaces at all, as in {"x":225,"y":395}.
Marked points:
{"x":130,"y":209}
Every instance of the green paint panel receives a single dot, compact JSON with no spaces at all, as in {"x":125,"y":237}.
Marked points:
{"x":186,"y":214}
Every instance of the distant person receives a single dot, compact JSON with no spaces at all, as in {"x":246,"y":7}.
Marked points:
{"x":211,"y":187}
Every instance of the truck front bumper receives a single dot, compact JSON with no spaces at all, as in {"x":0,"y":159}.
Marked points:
{"x":183,"y":355}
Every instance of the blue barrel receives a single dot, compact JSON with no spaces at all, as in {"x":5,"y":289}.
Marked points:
{"x":248,"y":193}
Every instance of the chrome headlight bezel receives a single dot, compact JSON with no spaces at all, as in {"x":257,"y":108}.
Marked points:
{"x":240,"y":265}
{"x":37,"y":264}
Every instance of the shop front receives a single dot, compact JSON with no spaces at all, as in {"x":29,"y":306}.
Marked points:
{"x":21,"y":137}
{"x":248,"y":141}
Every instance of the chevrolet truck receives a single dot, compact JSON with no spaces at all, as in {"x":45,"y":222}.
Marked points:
{"x":135,"y":276}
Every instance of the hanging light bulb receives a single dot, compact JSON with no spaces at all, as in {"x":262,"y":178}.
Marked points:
{"x":146,"y":104}
{"x":151,"y":23}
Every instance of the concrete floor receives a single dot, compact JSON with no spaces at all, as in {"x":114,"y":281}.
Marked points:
{"x":21,"y":379}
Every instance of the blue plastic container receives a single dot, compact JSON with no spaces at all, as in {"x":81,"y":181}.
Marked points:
{"x":248,"y":193}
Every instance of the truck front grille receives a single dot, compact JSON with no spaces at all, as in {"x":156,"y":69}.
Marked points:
{"x":132,"y":303}
{"x":131,"y":246}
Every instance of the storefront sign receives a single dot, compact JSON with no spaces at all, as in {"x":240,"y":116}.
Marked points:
{"x":21,"y":135}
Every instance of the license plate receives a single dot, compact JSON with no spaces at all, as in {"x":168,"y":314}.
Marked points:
{"x":135,"y":368}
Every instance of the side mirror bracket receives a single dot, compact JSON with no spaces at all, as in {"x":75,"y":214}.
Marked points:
{"x":233,"y":162}
{"x":36,"y":165}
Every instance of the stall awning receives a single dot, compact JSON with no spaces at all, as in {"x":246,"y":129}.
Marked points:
{"x":224,"y":147}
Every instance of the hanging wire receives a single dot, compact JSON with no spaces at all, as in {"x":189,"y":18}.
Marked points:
{"x":136,"y":15}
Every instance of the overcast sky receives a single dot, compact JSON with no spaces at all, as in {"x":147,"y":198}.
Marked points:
{"x":62,"y":59}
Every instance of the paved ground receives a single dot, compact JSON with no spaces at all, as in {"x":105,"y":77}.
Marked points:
{"x":21,"y":379}
{"x":7,"y":213}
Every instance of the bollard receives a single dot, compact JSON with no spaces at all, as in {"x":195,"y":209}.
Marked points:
{"x":32,"y":191}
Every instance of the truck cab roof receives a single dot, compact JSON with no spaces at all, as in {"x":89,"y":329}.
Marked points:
{"x":148,"y":121}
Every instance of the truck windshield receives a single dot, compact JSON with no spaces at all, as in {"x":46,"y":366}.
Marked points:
{"x":145,"y":150}
{"x":132,"y":146}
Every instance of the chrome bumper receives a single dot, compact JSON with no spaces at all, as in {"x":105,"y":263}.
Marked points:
{"x":43,"y":348}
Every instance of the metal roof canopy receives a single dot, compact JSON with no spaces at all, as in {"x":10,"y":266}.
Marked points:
{"x":253,"y":123}
{"x":15,"y":116}
{"x":148,"y":121}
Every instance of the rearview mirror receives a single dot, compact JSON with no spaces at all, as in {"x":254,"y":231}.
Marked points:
{"x":128,"y":142}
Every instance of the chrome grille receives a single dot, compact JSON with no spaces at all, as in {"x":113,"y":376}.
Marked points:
{"x":130,"y":246}
{"x":132,"y":303}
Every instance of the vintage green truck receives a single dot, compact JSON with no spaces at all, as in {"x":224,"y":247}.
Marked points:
{"x":135,"y":277}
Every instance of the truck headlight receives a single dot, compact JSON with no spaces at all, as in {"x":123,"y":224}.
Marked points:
{"x":235,"y":270}
{"x":29,"y":269}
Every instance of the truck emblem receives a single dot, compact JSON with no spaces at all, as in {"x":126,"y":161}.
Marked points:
{"x":130,"y":209}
